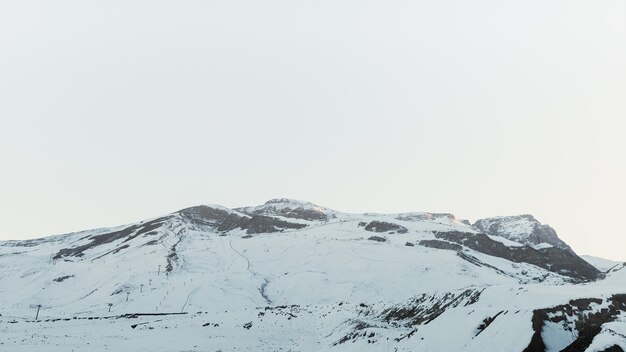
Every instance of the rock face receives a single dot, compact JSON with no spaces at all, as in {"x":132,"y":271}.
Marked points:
{"x":290,"y":208}
{"x":377,"y":239}
{"x":381,"y":226}
{"x":214,"y":217}
{"x":524,"y":229}
{"x":554,"y":259}
{"x":146,"y":229}
{"x":584,"y":318}
{"x":437,"y":244}
{"x":222,"y":220}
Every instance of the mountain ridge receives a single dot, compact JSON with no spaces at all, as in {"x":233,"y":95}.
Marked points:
{"x":334,"y":281}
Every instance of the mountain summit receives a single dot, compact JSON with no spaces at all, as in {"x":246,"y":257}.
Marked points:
{"x":524,"y":229}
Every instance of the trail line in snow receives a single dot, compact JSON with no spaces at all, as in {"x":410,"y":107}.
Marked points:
{"x":265,"y":281}
{"x":193,"y":292}
{"x":230,"y":244}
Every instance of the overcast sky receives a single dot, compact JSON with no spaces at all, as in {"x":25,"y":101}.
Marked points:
{"x":116,"y":111}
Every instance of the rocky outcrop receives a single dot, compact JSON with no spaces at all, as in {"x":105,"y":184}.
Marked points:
{"x":290,"y":208}
{"x":377,"y":239}
{"x":524,"y":229}
{"x":223,"y":220}
{"x":266,"y":224}
{"x":425,"y":308}
{"x":437,"y":244}
{"x":212,"y":216}
{"x":583,"y":318}
{"x":381,"y":226}
{"x":553,"y":259}
{"x":126,"y":234}
{"x":410,"y":314}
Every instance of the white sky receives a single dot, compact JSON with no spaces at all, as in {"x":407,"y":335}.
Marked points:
{"x":115,"y":111}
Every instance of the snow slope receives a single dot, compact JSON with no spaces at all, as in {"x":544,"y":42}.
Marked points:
{"x":602,"y":264}
{"x":291,"y":275}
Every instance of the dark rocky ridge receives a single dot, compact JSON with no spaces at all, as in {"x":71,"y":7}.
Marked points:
{"x":381,"y":226}
{"x":215,"y":218}
{"x":412,"y":313}
{"x":437,"y":244}
{"x":553,"y":259}
{"x":127,"y":234}
{"x":425,"y":308}
{"x":377,"y":239}
{"x":538,"y":233}
{"x":289,"y":208}
{"x":222,"y":220}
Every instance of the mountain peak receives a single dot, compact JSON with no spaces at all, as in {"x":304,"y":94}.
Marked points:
{"x":290,"y":208}
{"x":524,"y":229}
{"x":287,"y":201}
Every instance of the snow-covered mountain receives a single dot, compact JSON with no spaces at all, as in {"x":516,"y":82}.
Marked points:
{"x":294,"y":276}
{"x":524,"y":229}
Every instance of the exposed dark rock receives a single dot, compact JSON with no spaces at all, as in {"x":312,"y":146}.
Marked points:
{"x":357,"y":326}
{"x":416,"y":217}
{"x":377,"y":239}
{"x":486,"y":322}
{"x":172,"y":256}
{"x":381,"y":226}
{"x":536,"y":232}
{"x":473,"y":260}
{"x":426,"y":308}
{"x":290,"y":208}
{"x":151,"y":243}
{"x":440,"y":245}
{"x":113,"y":251}
{"x":584,"y":320}
{"x":614,"y":348}
{"x":409,"y":244}
{"x":215,"y":218}
{"x":137,"y":315}
{"x":304,"y":214}
{"x":265,"y":224}
{"x":123,"y":288}
{"x":97,"y":240}
{"x":62,"y":278}
{"x":224,"y":220}
{"x":553,"y":259}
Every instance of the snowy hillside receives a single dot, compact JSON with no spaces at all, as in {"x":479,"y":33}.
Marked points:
{"x":604,"y":265}
{"x":291,"y":275}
